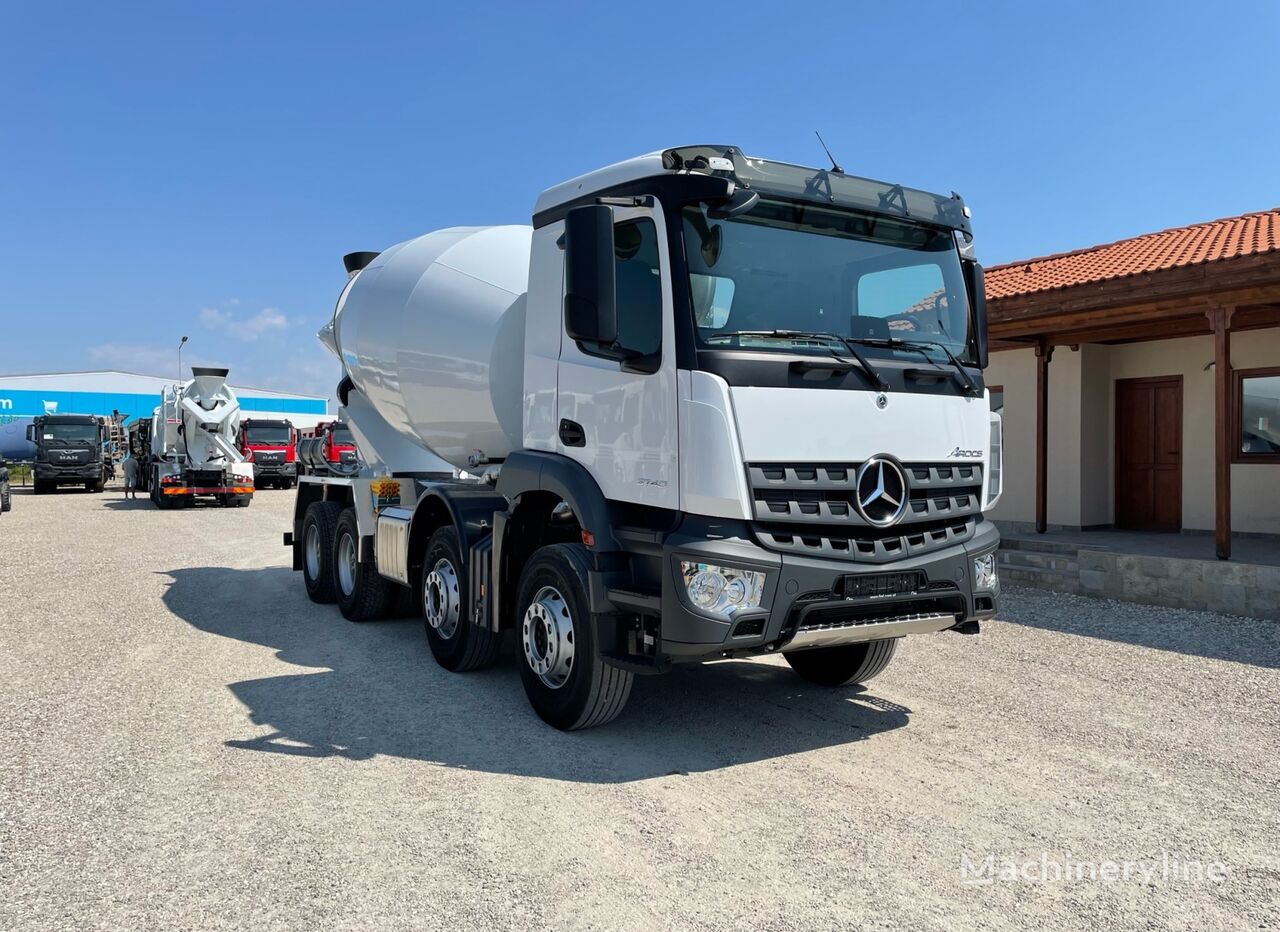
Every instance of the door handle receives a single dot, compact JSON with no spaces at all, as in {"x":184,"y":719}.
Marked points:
{"x":572,"y":434}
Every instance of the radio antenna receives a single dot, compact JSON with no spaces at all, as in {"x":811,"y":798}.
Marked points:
{"x":835,"y":167}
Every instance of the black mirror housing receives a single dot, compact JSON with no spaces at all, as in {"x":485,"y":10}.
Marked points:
{"x":590,"y":308}
{"x":31,"y":433}
{"x":978,"y":300}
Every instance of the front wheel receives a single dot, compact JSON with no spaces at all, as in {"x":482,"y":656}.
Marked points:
{"x":455,"y":642}
{"x":842,"y":666}
{"x":568,"y":684}
{"x":363,"y":593}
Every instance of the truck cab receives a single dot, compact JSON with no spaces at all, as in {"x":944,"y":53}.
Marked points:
{"x":68,"y":451}
{"x":329,"y":449}
{"x":271,"y":445}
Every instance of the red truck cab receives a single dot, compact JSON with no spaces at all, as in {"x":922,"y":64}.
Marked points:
{"x":272,"y":447}
{"x":329,"y":449}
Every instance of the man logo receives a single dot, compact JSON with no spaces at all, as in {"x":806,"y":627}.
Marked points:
{"x":881,"y":495}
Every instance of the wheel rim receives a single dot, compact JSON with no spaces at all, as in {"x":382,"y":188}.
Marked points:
{"x":440,"y":599}
{"x":548,"y":637}
{"x":346,"y":564}
{"x":313,"y":552}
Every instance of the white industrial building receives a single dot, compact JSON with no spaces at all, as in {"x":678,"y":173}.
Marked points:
{"x":22,"y":397}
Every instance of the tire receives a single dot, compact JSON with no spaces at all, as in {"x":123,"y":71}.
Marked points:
{"x":567,"y":682}
{"x":842,"y":666}
{"x":6,"y":499}
{"x":98,"y":486}
{"x":456,"y":643}
{"x":362,"y":593}
{"x":318,"y":526}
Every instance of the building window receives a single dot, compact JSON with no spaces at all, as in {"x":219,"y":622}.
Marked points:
{"x":997,"y":398}
{"x":1257,"y":416}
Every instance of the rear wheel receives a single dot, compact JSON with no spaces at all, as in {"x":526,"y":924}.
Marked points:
{"x":568,"y":683}
{"x":842,"y":666}
{"x":6,"y":498}
{"x":455,"y":642}
{"x":363,"y":593}
{"x":318,"y":526}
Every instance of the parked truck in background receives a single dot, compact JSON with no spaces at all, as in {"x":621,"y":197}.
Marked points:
{"x":139,"y":433}
{"x":69,"y":451}
{"x":706,"y":406}
{"x":193,"y":444}
{"x":328,"y":450}
{"x":272,"y":447}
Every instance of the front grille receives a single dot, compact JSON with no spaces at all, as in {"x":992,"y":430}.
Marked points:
{"x":809,"y":508}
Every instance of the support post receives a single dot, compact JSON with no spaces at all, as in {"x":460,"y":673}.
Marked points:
{"x":1044,"y":353}
{"x":1220,"y":322}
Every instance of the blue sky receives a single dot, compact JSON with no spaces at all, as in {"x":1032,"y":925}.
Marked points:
{"x":200,"y":168}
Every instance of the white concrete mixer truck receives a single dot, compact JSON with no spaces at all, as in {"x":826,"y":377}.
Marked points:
{"x":705,"y":406}
{"x":193,"y":444}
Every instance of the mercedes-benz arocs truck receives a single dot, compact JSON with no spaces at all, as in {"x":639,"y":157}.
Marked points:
{"x":705,"y":406}
{"x":69,"y":451}
{"x":193,"y":444}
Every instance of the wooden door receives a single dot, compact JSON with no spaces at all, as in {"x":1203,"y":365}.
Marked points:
{"x":1149,"y":454}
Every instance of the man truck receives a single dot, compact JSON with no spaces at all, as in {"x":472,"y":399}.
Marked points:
{"x":704,"y":406}
{"x":193,"y":444}
{"x":272,"y":447}
{"x":328,"y":449}
{"x":69,"y":451}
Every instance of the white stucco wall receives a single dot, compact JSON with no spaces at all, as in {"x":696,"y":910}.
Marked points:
{"x":1082,"y":430}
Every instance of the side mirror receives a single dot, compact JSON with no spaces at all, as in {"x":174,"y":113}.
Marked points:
{"x":31,"y":433}
{"x":590,"y":309}
{"x":978,"y":298}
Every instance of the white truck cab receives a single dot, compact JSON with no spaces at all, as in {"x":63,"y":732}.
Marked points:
{"x":706,"y":405}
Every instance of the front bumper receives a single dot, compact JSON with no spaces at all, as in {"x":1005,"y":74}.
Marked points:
{"x":812,"y":603}
{"x":275,"y":470}
{"x":73,"y":472}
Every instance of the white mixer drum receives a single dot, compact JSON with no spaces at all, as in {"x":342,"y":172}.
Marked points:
{"x":432,"y":333}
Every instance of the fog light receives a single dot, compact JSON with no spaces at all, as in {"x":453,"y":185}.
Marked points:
{"x":722,"y":590}
{"x":984,"y":572}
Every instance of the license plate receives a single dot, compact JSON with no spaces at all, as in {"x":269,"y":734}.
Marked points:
{"x":872,"y":585}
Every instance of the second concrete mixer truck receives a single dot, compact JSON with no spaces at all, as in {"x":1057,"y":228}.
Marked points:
{"x":193,"y":444}
{"x":705,"y":406}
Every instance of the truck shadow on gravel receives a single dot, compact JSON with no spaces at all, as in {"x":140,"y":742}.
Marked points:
{"x":375,"y":689}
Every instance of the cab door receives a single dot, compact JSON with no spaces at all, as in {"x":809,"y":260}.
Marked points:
{"x":617,"y":418}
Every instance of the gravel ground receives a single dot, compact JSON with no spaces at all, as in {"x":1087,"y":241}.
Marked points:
{"x":190,"y":743}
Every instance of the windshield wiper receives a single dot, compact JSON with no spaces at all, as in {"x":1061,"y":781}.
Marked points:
{"x":966,"y":381}
{"x":869,"y":370}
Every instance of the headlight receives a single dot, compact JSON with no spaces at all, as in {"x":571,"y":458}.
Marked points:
{"x":984,"y":572}
{"x":995,"y":462}
{"x":722,"y":590}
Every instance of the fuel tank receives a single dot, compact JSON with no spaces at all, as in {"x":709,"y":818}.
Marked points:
{"x":431,"y":333}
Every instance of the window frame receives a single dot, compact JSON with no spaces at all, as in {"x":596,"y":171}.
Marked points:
{"x":1237,"y":415}
{"x":648,"y":363}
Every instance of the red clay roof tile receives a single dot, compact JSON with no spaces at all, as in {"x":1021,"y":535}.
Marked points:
{"x":1228,"y":238}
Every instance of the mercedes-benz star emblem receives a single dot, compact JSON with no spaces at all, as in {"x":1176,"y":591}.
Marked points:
{"x":882,"y":491}
{"x":882,"y":401}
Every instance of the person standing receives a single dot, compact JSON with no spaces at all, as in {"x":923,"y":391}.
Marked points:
{"x":130,"y":465}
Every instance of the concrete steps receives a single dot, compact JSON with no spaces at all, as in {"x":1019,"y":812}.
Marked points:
{"x":1044,"y":564}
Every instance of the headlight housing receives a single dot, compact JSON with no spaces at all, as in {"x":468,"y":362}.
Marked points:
{"x":995,"y":462}
{"x":985,"y":576}
{"x":722,"y":590}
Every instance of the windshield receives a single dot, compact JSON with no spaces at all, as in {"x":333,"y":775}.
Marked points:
{"x":69,"y":433}
{"x":273,"y":435}
{"x":342,"y":434}
{"x":785,"y":266}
